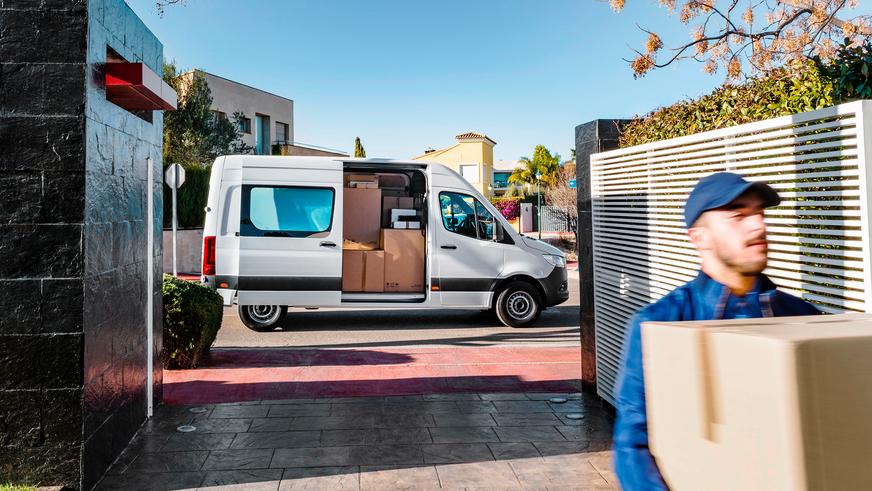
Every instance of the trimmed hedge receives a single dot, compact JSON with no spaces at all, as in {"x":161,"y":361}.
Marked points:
{"x":846,"y":77}
{"x":191,"y":198}
{"x":730,"y":105}
{"x":192,"y":317}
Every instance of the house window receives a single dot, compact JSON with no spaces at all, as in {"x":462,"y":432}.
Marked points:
{"x":261,"y":135}
{"x":245,"y":125}
{"x":219,"y":115}
{"x":283,"y":132}
{"x":469,"y":172}
{"x":501,"y":179}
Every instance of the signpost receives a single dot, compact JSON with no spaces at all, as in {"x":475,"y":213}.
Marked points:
{"x":174,"y":177}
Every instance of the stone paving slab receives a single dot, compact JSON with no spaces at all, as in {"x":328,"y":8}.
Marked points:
{"x":422,"y":442}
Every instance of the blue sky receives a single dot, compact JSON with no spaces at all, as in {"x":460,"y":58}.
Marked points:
{"x":407,"y":75}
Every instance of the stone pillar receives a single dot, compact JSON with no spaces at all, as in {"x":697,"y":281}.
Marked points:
{"x":73,"y":240}
{"x":595,"y":136}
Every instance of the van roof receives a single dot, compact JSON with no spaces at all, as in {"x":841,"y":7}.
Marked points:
{"x":279,"y":159}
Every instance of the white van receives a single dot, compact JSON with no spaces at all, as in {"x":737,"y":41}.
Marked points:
{"x":367,"y":233}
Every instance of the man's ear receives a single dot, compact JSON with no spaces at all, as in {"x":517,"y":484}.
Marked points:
{"x":700,"y":237}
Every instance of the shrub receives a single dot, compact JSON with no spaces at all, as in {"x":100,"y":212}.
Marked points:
{"x":192,"y":317}
{"x":508,"y":207}
{"x":778,"y":94}
{"x":192,"y":197}
{"x":851,"y":69}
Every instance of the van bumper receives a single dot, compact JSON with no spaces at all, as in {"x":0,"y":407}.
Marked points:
{"x":556,"y":287}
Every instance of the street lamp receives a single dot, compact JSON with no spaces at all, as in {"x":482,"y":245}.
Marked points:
{"x":538,"y":205}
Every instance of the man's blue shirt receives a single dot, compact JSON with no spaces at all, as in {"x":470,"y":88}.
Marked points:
{"x":700,"y":299}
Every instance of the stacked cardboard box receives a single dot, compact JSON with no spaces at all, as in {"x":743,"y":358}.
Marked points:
{"x":404,"y":260}
{"x":761,"y":404}
{"x":390,"y":203}
{"x":361,"y":214}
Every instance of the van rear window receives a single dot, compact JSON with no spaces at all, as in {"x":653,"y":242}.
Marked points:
{"x":285,"y":211}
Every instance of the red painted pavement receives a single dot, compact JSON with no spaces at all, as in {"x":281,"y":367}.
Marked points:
{"x":233,"y":375}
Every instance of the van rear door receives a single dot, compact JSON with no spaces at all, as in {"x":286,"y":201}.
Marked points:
{"x":290,"y":228}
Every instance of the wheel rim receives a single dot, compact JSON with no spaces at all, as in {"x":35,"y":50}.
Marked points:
{"x":520,"y":305}
{"x":263,"y":314}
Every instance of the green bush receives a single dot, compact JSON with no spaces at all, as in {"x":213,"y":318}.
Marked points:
{"x":16,"y":487}
{"x":778,"y":94}
{"x":851,"y":69}
{"x":192,"y":317}
{"x":847,"y":76}
{"x":191,"y":198}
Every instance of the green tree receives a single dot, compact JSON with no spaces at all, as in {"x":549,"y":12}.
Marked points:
{"x":543,"y":162}
{"x":193,"y":134}
{"x":359,"y":152}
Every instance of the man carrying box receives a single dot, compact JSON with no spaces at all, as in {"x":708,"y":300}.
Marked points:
{"x":724,"y":217}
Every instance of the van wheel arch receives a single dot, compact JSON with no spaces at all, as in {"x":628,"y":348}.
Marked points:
{"x":503,"y":283}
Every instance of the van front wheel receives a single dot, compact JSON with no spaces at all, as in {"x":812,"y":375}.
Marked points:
{"x":262,"y":318}
{"x":518,"y":304}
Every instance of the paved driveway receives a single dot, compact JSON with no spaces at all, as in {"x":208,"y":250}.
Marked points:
{"x":439,"y":441}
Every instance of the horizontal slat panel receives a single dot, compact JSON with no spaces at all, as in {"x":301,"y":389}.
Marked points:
{"x":818,"y":234}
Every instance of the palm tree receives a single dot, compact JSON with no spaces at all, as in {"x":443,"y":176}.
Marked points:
{"x":543,"y":162}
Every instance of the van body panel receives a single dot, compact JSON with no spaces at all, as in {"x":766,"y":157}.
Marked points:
{"x":289,"y":270}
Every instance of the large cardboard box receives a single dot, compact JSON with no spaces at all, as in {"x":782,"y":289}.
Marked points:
{"x":374,"y":271}
{"x":352,"y":270}
{"x":404,"y":260}
{"x":361,"y":214}
{"x":761,"y":404}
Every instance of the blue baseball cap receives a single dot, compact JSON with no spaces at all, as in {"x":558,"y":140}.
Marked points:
{"x":720,"y":189}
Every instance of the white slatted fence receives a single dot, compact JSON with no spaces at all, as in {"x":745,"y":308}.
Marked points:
{"x":819,"y":236}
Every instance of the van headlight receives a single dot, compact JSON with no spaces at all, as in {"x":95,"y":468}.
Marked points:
{"x":556,"y":261}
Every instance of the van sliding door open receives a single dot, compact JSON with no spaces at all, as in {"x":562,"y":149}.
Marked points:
{"x":290,"y":235}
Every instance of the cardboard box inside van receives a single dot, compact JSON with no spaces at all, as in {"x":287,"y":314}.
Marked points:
{"x":404,"y":260}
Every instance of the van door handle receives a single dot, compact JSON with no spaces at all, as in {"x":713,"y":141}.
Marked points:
{"x":327,"y":244}
{"x":449,"y":246}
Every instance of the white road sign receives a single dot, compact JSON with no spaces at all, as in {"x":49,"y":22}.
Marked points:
{"x":170,"y":176}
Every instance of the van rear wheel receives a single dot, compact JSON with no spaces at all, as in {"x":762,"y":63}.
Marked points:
{"x":518,"y":304}
{"x":262,"y":318}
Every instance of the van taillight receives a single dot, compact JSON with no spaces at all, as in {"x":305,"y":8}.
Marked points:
{"x":208,"y":256}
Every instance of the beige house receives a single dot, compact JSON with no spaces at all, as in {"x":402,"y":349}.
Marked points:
{"x":472,"y":157}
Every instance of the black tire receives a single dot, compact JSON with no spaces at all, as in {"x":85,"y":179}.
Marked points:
{"x":262,"y":318}
{"x":518,"y":304}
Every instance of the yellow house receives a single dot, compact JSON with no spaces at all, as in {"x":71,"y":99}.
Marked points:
{"x":472,"y":157}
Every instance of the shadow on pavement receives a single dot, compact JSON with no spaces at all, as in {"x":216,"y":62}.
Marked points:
{"x":303,"y":320}
{"x":296,"y":357}
{"x":200,"y":391}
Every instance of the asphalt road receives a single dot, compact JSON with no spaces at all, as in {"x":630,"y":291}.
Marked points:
{"x":343,"y":328}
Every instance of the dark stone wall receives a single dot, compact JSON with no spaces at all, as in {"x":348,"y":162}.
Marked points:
{"x":73,"y":241}
{"x":117,"y":144}
{"x":595,"y":136}
{"x":42,"y":206}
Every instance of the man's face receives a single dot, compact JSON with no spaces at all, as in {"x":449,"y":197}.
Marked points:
{"x":735,"y":234}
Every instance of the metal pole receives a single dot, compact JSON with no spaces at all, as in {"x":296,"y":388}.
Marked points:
{"x":149,"y":315}
{"x":538,"y":207}
{"x":175,"y":217}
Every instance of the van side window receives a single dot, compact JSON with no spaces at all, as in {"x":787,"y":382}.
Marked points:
{"x":285,"y":211}
{"x":465,"y":215}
